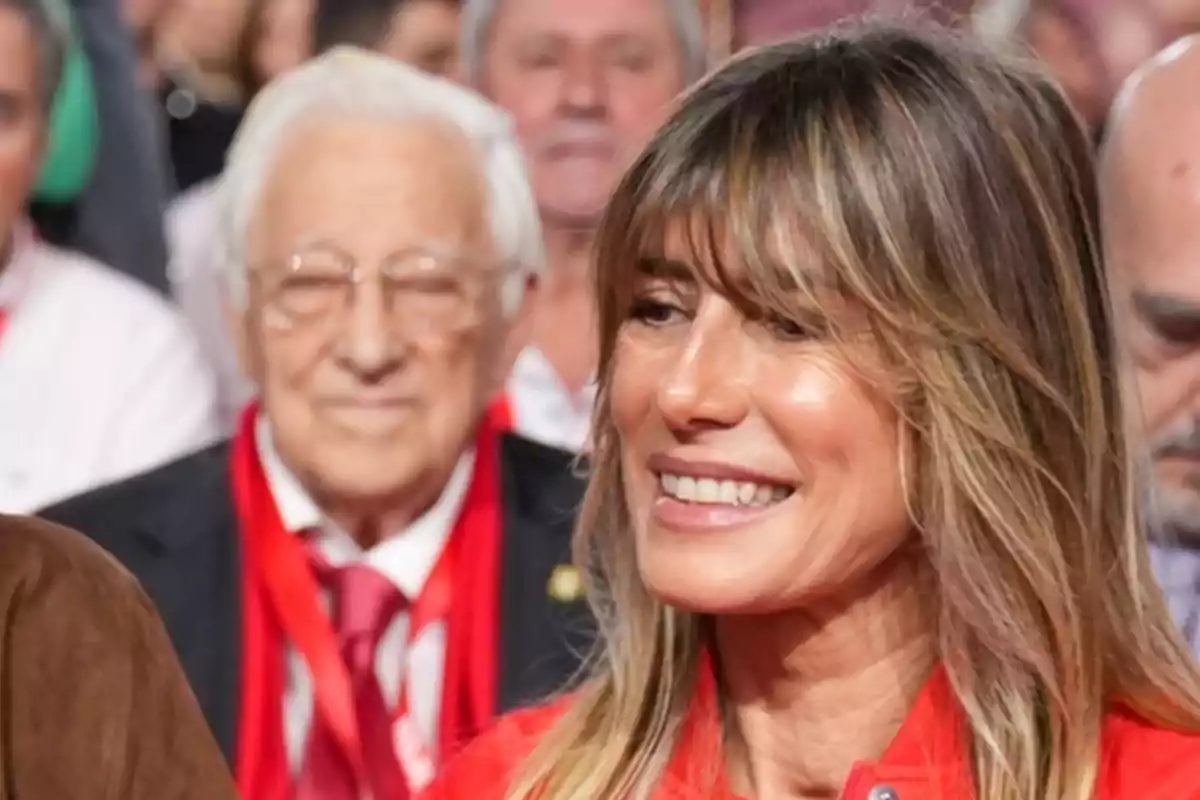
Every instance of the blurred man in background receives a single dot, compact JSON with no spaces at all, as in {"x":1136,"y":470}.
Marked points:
{"x":1151,"y":201}
{"x":1090,"y":46}
{"x":586,"y":84}
{"x":99,"y":378}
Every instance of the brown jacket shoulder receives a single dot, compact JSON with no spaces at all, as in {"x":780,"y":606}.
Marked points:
{"x":93,"y":703}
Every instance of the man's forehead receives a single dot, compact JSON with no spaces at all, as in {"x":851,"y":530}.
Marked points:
{"x":402,"y":180}
{"x":583,"y":18}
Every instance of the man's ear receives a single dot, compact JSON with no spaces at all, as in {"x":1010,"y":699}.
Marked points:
{"x":238,"y":321}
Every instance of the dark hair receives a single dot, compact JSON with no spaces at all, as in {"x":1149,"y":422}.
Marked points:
{"x":362,"y":23}
{"x":51,"y":31}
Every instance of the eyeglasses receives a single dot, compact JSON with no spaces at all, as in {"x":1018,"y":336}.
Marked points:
{"x":425,"y":290}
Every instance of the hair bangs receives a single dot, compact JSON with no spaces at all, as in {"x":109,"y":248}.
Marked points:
{"x":749,"y":227}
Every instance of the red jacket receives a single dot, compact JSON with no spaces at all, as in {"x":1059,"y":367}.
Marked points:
{"x":925,"y":760}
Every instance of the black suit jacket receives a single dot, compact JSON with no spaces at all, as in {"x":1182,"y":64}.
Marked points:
{"x":176,"y":529}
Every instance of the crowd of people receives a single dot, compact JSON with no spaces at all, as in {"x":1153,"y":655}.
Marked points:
{"x":733,"y":398}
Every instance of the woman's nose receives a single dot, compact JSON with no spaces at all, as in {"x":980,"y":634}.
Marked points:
{"x":705,"y":383}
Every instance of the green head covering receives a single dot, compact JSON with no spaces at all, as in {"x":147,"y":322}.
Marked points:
{"x":74,"y":129}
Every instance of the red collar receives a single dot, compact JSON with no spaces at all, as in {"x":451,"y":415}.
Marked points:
{"x":928,"y":757}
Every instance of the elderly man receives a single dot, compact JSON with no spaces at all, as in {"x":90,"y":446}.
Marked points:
{"x":99,"y":379}
{"x":383,"y":242}
{"x":586,"y":83}
{"x":1151,"y":200}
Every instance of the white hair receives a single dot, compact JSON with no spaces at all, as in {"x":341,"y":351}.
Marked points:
{"x":478,"y":15}
{"x":348,"y":82}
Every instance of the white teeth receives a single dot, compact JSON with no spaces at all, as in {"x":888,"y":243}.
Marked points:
{"x":685,"y":489}
{"x":713,"y":492}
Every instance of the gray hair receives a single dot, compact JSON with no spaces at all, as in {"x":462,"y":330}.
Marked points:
{"x":477,"y":17}
{"x":49,"y":20}
{"x":348,"y":82}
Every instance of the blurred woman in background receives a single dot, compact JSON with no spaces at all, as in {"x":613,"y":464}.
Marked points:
{"x":861,"y":520}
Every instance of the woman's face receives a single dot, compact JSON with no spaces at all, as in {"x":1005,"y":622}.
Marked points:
{"x":761,"y":470}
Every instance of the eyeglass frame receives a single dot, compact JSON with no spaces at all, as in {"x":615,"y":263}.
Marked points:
{"x":352,"y":275}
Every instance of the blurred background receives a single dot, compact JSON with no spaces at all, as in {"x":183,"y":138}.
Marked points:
{"x":118,"y":168}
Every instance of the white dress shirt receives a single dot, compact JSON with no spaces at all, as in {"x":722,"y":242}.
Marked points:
{"x":99,"y":378}
{"x":406,"y":558}
{"x":543,"y":408}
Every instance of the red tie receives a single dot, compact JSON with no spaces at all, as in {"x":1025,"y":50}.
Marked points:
{"x":364,"y":605}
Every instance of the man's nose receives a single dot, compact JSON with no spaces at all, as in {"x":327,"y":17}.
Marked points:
{"x":365,"y":344}
{"x":584,"y":90}
{"x":705,"y":384}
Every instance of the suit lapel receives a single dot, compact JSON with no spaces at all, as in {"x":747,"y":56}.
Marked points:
{"x":194,"y":577}
{"x":544,"y":624}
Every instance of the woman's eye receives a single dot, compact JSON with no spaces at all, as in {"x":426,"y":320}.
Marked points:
{"x":787,"y":329}
{"x":650,"y":311}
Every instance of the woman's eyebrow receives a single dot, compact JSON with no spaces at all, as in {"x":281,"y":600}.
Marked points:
{"x":665,"y":269}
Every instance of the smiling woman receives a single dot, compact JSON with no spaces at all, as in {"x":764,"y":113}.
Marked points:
{"x":860,"y":522}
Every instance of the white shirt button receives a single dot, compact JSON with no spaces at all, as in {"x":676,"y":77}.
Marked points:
{"x":882,"y":792}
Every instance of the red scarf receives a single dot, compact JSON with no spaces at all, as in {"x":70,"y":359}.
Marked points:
{"x":501,"y":413}
{"x":281,"y":606}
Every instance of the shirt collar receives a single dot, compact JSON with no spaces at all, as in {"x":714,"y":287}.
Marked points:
{"x":406,"y":557}
{"x":534,"y":372}
{"x":543,"y":408}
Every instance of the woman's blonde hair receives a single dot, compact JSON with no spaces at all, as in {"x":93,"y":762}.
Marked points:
{"x":950,"y":196}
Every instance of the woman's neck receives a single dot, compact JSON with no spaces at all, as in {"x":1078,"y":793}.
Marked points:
{"x":826,"y":687}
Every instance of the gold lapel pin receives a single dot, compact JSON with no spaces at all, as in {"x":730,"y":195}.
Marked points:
{"x":566,"y":584}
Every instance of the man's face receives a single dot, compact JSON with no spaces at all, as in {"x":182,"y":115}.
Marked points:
{"x":373,"y":329}
{"x":586,"y":82}
{"x":21,"y":120}
{"x":1154,"y":254}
